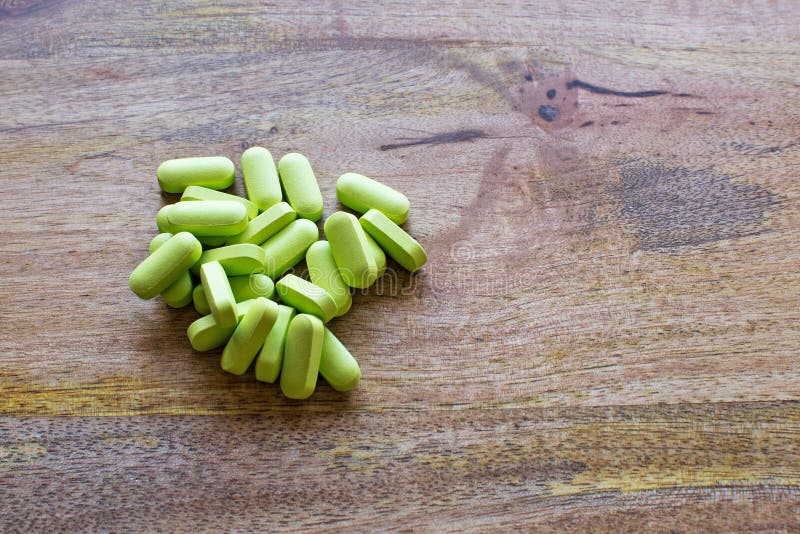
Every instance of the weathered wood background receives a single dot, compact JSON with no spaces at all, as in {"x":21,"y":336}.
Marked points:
{"x":606,"y":336}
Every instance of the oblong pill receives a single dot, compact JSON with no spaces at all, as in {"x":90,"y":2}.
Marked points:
{"x":300,"y":185}
{"x":196,"y":192}
{"x":159,"y":270}
{"x":265,"y":225}
{"x":268,"y":364}
{"x":162,"y":221}
{"x":261,"y":177}
{"x":206,"y":334}
{"x":306,"y":297}
{"x":400,"y":246}
{"x":301,"y":356}
{"x":378,"y":254}
{"x":286,"y":248}
{"x":350,"y":250}
{"x":337,"y":366}
{"x":179,"y":292}
{"x":237,"y":260}
{"x":219,"y":294}
{"x":215,"y":172}
{"x":207,"y":217}
{"x":243,"y":287}
{"x":323,"y":272}
{"x":361,"y":194}
{"x":211,"y":241}
{"x":249,"y":336}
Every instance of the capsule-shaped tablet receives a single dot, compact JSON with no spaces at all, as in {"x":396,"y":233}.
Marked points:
{"x":237,"y":260}
{"x":323,"y":272}
{"x":249,"y":336}
{"x":214,"y":172}
{"x":301,"y":356}
{"x":195,"y":192}
{"x":378,"y":254}
{"x":206,"y":334}
{"x":162,"y":268}
{"x":265,"y":225}
{"x":162,"y":222}
{"x":268,"y":363}
{"x":261,"y":177}
{"x":206,"y":217}
{"x":243,"y":287}
{"x":286,"y":248}
{"x":306,"y":297}
{"x":350,"y":250}
{"x":362,"y":194}
{"x":337,"y":366}
{"x":211,"y":241}
{"x":219,"y":294}
{"x":400,"y":246}
{"x":179,"y":292}
{"x":300,"y":185}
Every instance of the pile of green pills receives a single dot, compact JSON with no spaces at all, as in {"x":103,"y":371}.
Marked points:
{"x":231,"y":257}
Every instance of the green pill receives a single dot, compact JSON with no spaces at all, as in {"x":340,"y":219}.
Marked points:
{"x":378,"y":254}
{"x":211,"y":241}
{"x":179,"y":293}
{"x":219,"y":294}
{"x":214,"y":172}
{"x":323,"y":272}
{"x":162,"y":222}
{"x":268,"y":364}
{"x":237,"y":260}
{"x":350,"y":250}
{"x":301,"y":356}
{"x":337,"y":366}
{"x":206,"y":334}
{"x":306,"y":297}
{"x":243,"y":287}
{"x":162,"y":268}
{"x":261,"y":177}
{"x":249,"y":336}
{"x":206,"y":217}
{"x":196,"y":192}
{"x":400,"y":246}
{"x":300,"y":185}
{"x":265,"y":225}
{"x":286,"y":248}
{"x":361,"y":194}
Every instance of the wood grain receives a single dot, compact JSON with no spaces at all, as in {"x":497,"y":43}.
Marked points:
{"x":606,"y":334}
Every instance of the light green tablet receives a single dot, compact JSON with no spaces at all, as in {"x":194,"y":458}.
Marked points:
{"x":268,"y":364}
{"x":377,"y":253}
{"x":243,"y":287}
{"x":300,"y":185}
{"x":301,"y":356}
{"x":261,"y":177}
{"x":337,"y":366}
{"x":286,"y":248}
{"x":219,"y":294}
{"x":195,"y":192}
{"x":206,"y":217}
{"x":361,"y":194}
{"x":237,"y":260}
{"x":323,"y":272}
{"x":350,"y":250}
{"x":265,"y":225}
{"x":400,"y":246}
{"x":214,"y":172}
{"x":249,"y":336}
{"x":162,"y":268}
{"x":179,"y":293}
{"x":206,"y":334}
{"x":306,"y":297}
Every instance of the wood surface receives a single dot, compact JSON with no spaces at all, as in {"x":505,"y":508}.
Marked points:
{"x":606,"y":336}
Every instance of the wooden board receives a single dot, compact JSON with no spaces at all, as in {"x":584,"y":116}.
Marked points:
{"x":605,"y":337}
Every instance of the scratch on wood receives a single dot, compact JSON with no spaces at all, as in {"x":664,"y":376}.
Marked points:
{"x":596,"y":89}
{"x":459,"y":136}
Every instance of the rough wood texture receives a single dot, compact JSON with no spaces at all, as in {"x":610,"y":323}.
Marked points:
{"x":605,"y":337}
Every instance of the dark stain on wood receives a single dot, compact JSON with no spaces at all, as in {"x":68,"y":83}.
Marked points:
{"x":459,"y":136}
{"x":596,"y":89}
{"x":548,"y":112}
{"x":677,"y":206}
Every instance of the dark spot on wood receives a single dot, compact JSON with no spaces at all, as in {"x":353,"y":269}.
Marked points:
{"x":587,"y":123}
{"x":273,"y":130}
{"x":548,"y":112}
{"x":704,"y":112}
{"x":459,"y":136}
{"x":604,"y":91}
{"x":528,"y":77}
{"x":758,"y":150}
{"x":614,"y":123}
{"x":551,"y":94}
{"x":672,"y":207}
{"x":752,"y":123}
